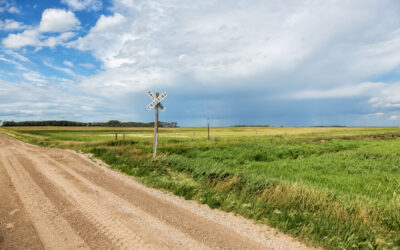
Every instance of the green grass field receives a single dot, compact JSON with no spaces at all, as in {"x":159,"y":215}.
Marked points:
{"x":330,"y":187}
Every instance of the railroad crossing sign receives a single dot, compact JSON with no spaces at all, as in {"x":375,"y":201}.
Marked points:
{"x":156,"y":103}
{"x":156,"y":100}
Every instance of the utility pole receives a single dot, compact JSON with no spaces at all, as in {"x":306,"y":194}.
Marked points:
{"x":156,"y":103}
{"x":208,"y":128}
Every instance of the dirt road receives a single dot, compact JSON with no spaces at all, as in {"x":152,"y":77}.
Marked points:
{"x":58,"y":199}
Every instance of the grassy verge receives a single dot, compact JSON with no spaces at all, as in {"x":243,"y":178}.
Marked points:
{"x":336,"y":189}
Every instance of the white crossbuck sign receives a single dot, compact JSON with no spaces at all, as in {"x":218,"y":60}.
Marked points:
{"x":156,"y":100}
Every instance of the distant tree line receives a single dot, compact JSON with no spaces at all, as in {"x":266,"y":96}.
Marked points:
{"x":112,"y":123}
{"x":329,"y":126}
{"x":115,"y":123}
{"x":250,"y":126}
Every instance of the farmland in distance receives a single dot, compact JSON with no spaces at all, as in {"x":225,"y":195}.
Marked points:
{"x":330,"y":187}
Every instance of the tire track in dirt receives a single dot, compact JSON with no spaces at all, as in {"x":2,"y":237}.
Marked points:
{"x":16,"y":229}
{"x":142,"y":221}
{"x":53,"y":230}
{"x":120,"y":236}
{"x":84,"y":228}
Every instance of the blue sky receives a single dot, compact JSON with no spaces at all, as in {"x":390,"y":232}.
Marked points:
{"x":281,"y":63}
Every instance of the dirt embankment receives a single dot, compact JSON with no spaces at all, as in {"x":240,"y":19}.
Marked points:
{"x":57,"y":199}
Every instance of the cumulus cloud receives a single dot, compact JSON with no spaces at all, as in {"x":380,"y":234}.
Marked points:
{"x":107,"y":23}
{"x":26,"y":38}
{"x":9,"y":24}
{"x":104,"y":32}
{"x":83,"y":4}
{"x":34,"y":38}
{"x":53,"y":20}
{"x":58,"y":20}
{"x":58,"y":40}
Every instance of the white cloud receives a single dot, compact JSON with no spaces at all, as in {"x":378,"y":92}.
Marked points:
{"x":83,"y":4}
{"x":394,"y":117}
{"x":18,"y":65}
{"x":17,"y":56}
{"x":58,"y":40}
{"x":327,"y":45}
{"x":104,"y":32}
{"x":35,"y":77}
{"x":13,"y":10}
{"x":33,"y":38}
{"x":9,"y":24}
{"x":8,"y":6}
{"x":58,"y":20}
{"x":107,"y":23}
{"x":32,"y":101}
{"x":26,"y":38}
{"x":65,"y":70}
{"x":68,"y":63}
{"x":53,"y":20}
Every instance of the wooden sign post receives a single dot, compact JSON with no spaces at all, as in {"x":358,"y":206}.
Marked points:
{"x":156,"y":103}
{"x":155,"y":129}
{"x":208,"y":128}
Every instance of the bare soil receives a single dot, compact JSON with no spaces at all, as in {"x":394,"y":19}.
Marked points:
{"x":59,"y":199}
